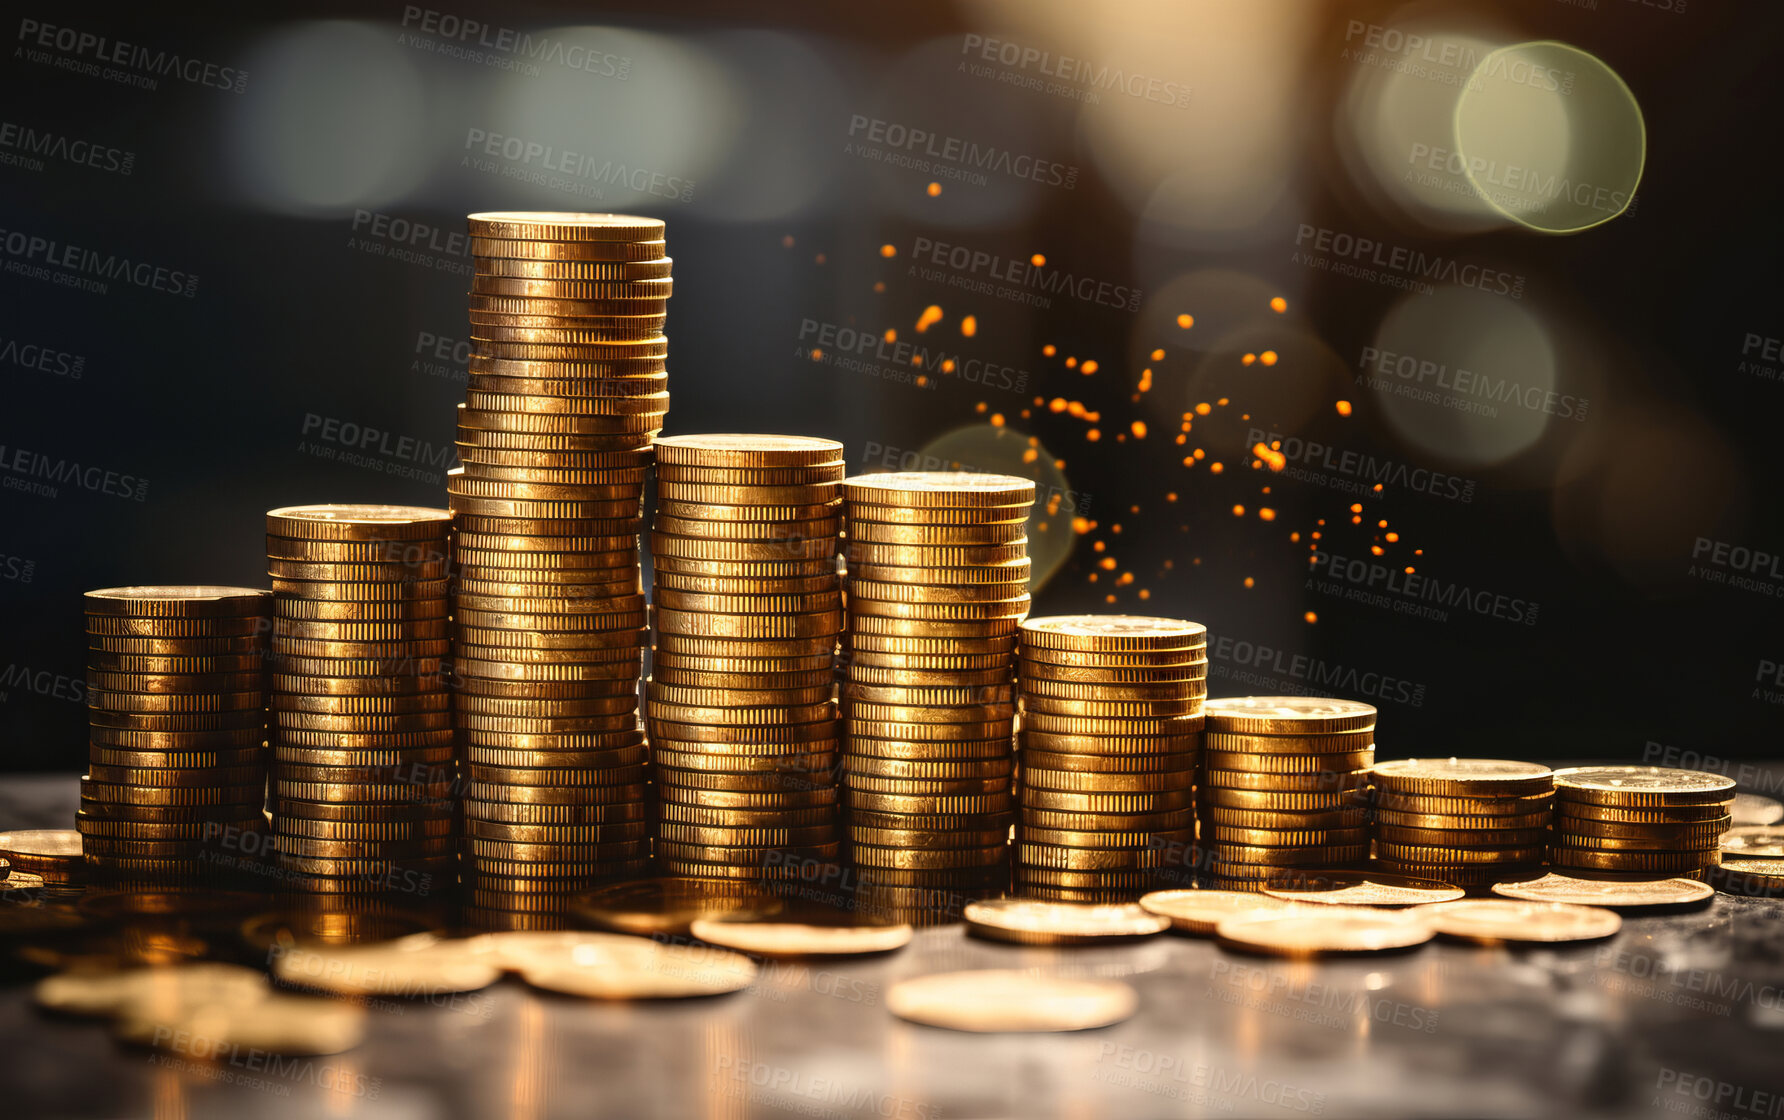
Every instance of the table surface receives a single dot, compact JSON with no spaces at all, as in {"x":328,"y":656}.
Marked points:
{"x":1681,"y":1014}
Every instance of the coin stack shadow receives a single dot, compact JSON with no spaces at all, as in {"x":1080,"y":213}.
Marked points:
{"x":1111,"y":718}
{"x":362,"y":761}
{"x":937,"y":584}
{"x":568,"y":385}
{"x":176,"y":691}
{"x":1284,"y":784}
{"x":1642,"y":819}
{"x":740,"y":707}
{"x":1466,"y":821}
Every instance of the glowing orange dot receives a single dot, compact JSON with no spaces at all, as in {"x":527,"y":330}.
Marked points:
{"x":891,"y":334}
{"x":1382,"y":524}
{"x":934,"y":189}
{"x":1249,"y":582}
{"x":787,"y":241}
{"x":1215,"y":468}
{"x":922,"y":379}
{"x":1376,"y":550}
{"x":1203,"y":409}
{"x":1279,"y":305}
{"x":1139,"y":429}
{"x":1146,"y":380}
{"x":1071,"y":363}
{"x":931,"y":316}
{"x":1409,"y":569}
{"x":888,"y":250}
{"x":1145,"y":594}
{"x":1186,"y":321}
{"x":1108,"y":563}
{"x":1037,"y":260}
{"x":1091,"y":366}
{"x":997,"y":420}
{"x":1171,"y":497}
{"x":1238,"y":511}
{"x":1200,"y":454}
{"x":947,"y":365}
{"x":1029,"y":455}
{"x":1266,"y":514}
{"x":1049,"y":350}
{"x":1310,"y":617}
{"x":1268,"y":357}
{"x":1057,"y":404}
{"x":817,"y":355}
{"x":1093,"y":435}
{"x":969,"y":326}
{"x":879,"y":285}
{"x":1082,"y":525}
{"x":980,"y":407}
{"x":1343,"y":408}
{"x":1248,"y":359}
{"x":820,"y":258}
{"x":1159,"y":354}
{"x":1356,"y":507}
{"x":1393,"y":537}
{"x":1294,"y":536}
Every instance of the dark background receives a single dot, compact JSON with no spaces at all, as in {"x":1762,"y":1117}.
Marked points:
{"x":304,"y":314}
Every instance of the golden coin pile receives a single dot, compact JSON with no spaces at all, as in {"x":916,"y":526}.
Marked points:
{"x":1111,"y":714}
{"x":741,"y":705}
{"x":937,"y":585}
{"x":1648,"y":819}
{"x":176,"y":689}
{"x":567,"y":389}
{"x":1466,"y":821}
{"x":362,"y":762}
{"x":1283,"y":784}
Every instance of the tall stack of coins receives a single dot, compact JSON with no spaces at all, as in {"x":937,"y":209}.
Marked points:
{"x":176,"y":689}
{"x":568,"y":387}
{"x":1111,"y":715}
{"x":741,"y":703}
{"x":362,"y":761}
{"x":1647,"y":819}
{"x":1466,"y":821}
{"x":937,"y":585}
{"x":1284,"y":784}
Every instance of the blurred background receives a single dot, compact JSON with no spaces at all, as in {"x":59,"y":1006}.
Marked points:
{"x":1430,"y":354}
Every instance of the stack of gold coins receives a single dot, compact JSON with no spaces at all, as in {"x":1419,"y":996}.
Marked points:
{"x":362,"y":759}
{"x":1284,"y":784}
{"x":568,"y":386}
{"x":740,"y":705}
{"x":1649,"y":820}
{"x":177,"y":731}
{"x":1111,"y":715}
{"x":937,"y":585}
{"x":1466,"y":821}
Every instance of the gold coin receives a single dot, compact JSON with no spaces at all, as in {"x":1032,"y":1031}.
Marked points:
{"x":1464,"y":838}
{"x":1668,"y":862}
{"x":1572,"y":832}
{"x":1112,"y":633}
{"x":1319,"y":782}
{"x":1058,"y":858}
{"x":1463,"y":777}
{"x":565,"y":226}
{"x":1023,"y":922}
{"x":1151,"y":693}
{"x":575,"y":269}
{"x":1752,"y":809}
{"x":939,"y":488}
{"x":1358,"y":888}
{"x":1170,"y":820}
{"x":931,"y":804}
{"x":932,"y":557}
{"x":1753,"y":842}
{"x":624,"y":967}
{"x":1290,"y":744}
{"x":358,"y":522}
{"x":1441,"y":822}
{"x":800,"y":939}
{"x":747,"y":451}
{"x":1436,"y":855}
{"x":53,"y":853}
{"x":757,"y":476}
{"x":1297,"y":933}
{"x":1519,"y":805}
{"x":1344,"y":818}
{"x":1106,"y":801}
{"x":1494,"y":921}
{"x":288,"y":1025}
{"x":1288,"y":715}
{"x":916,"y":838}
{"x":419,"y":965}
{"x":975,"y":536}
{"x":177,"y":601}
{"x":1641,"y":786}
{"x":1200,"y":911}
{"x":1285,"y":764}
{"x":489,"y":250}
{"x":135,"y":992}
{"x":1283,"y":837}
{"x":1617,"y":893}
{"x":1009,"y":571}
{"x":1129,"y":879}
{"x":1762,"y":878}
{"x":602,"y":291}
{"x":996,"y":1001}
{"x":869,"y":513}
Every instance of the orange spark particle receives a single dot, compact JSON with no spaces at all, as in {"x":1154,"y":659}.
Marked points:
{"x":1158,"y":355}
{"x":879,"y":285}
{"x":1376,"y":550}
{"x":1071,"y":363}
{"x":1107,"y":563}
{"x":1382,"y":524}
{"x":930,"y":317}
{"x":1139,"y":429}
{"x":1248,"y":359}
{"x":997,"y":419}
{"x":891,"y":334}
{"x":1037,"y":260}
{"x":1279,"y":305}
{"x":1310,"y":617}
{"x":969,"y":326}
{"x":1249,"y":582}
{"x":1126,"y":578}
{"x":1393,"y":538}
{"x":1268,"y":357}
{"x":787,"y":241}
{"x":1276,"y":459}
{"x":1343,"y":408}
{"x":1294,"y":537}
{"x":816,"y":354}
{"x":1266,"y":514}
{"x":1146,"y":380}
{"x":1200,"y":454}
{"x":947,"y":365}
{"x":888,"y":250}
{"x":1356,"y":507}
{"x":820,"y":258}
{"x":922,"y":379}
{"x":981,"y":407}
{"x":934,"y":189}
{"x":1186,"y":321}
{"x":1090,"y":367}
{"x":1082,"y":525}
{"x":1145,"y":594}
{"x":1171,"y":497}
{"x":1203,"y":409}
{"x":1215,"y":468}
{"x":1376,"y":488}
{"x":1057,"y":404}
{"x":1093,"y":435}
{"x":1409,"y":569}
{"x":1238,"y":511}
{"x":1049,"y":350}
{"x":1029,"y":455}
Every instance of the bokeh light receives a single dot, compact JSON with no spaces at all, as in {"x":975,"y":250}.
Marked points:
{"x":1003,"y":450}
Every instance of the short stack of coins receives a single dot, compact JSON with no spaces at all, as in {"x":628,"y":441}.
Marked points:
{"x":1647,"y":820}
{"x":937,"y":585}
{"x":362,"y":759}
{"x":176,"y":689}
{"x":1465,"y":821}
{"x":1111,"y":716}
{"x":741,"y":707}
{"x":1284,"y":784}
{"x":568,"y":386}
